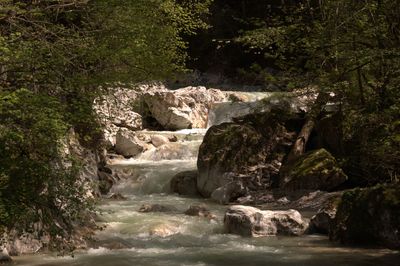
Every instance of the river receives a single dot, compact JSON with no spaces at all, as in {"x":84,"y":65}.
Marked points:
{"x":173,"y":238}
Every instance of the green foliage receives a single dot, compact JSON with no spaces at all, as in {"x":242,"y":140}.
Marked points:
{"x":368,"y":216}
{"x":351,"y":48}
{"x":40,"y":191}
{"x":54,"y":55}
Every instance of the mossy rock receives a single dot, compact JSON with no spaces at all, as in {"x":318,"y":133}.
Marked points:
{"x":316,"y":170}
{"x":250,"y":148}
{"x":369,"y":216}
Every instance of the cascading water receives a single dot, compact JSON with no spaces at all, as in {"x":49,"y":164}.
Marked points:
{"x":173,"y":238}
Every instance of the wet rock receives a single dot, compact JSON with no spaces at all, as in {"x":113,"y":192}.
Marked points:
{"x":199,"y":210}
{"x":185,"y":183}
{"x":156,"y":208}
{"x":252,"y":149}
{"x":250,"y":221}
{"x":173,"y":139}
{"x":158,"y":140}
{"x":116,"y":196}
{"x":229,"y":192}
{"x":369,"y":216}
{"x":237,"y":97}
{"x":182,"y":108}
{"x":316,"y":170}
{"x":170,"y":151}
{"x":322,"y":221}
{"x":4,"y":257}
{"x":128,"y":144}
{"x":106,"y":180}
{"x":241,"y":104}
{"x":164,"y":230}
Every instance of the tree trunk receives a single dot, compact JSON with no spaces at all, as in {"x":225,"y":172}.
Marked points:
{"x":299,"y":146}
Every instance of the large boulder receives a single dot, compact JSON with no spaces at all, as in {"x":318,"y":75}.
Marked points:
{"x":252,"y":149}
{"x":115,"y":110}
{"x":183,"y":108}
{"x":128,"y":143}
{"x":250,"y":221}
{"x":369,"y":216}
{"x":121,"y":107}
{"x":240,"y":104}
{"x":184,"y":183}
{"x":316,"y":170}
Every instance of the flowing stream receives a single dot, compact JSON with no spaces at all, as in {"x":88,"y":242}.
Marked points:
{"x":173,"y":238}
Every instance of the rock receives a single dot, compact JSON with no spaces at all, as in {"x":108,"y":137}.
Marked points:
{"x":242,"y":104}
{"x":229,"y":192}
{"x":322,"y":221}
{"x":314,"y":201}
{"x":237,"y":97}
{"x":164,"y":230}
{"x":115,"y":109}
{"x":171,"y":151}
{"x":128,"y":144}
{"x":4,"y":257}
{"x":329,"y":130}
{"x":183,"y":108}
{"x":369,"y":216}
{"x":185,"y":183}
{"x":283,"y":201}
{"x":316,"y":170}
{"x":173,"y":139}
{"x":251,"y":149}
{"x":156,"y":208}
{"x":120,"y":107}
{"x":25,"y":244}
{"x":158,"y":140}
{"x":250,"y":221}
{"x":106,"y":180}
{"x":88,"y":158}
{"x":116,"y":196}
{"x":199,"y":210}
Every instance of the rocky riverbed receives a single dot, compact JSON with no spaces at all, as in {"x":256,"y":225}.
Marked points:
{"x":177,"y":193}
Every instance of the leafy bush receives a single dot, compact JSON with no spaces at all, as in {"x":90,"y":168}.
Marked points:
{"x":40,"y":189}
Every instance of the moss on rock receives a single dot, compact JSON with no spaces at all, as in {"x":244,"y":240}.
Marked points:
{"x":315,"y":170}
{"x":250,"y":148}
{"x":369,"y":216}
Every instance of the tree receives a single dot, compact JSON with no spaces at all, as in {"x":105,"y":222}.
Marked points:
{"x":54,"y":55}
{"x":352,"y":49}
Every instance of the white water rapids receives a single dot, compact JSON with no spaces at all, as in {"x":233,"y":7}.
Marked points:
{"x":172,"y":238}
